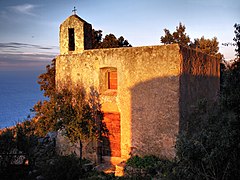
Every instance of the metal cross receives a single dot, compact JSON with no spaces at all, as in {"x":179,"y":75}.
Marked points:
{"x":74,"y":10}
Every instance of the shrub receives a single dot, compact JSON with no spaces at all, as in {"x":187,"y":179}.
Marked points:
{"x":15,"y":146}
{"x":213,"y":151}
{"x":138,"y":162}
{"x":149,"y":166}
{"x":63,"y":168}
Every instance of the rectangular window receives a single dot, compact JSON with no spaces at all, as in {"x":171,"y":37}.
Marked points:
{"x":71,"y":39}
{"x":112,"y":80}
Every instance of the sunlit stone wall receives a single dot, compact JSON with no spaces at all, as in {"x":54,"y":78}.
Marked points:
{"x":82,"y":31}
{"x":153,"y":94}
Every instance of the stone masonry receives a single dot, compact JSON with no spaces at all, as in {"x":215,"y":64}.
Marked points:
{"x":156,"y":88}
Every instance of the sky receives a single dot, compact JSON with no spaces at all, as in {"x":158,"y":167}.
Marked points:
{"x":29,"y":29}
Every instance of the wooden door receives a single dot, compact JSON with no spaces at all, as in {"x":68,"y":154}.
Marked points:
{"x":112,"y":143}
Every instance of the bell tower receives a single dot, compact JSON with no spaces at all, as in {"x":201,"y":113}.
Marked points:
{"x":75,"y":35}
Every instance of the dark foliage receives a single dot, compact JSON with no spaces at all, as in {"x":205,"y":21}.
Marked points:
{"x":45,"y":110}
{"x":79,"y":118}
{"x":208,"y":46}
{"x":213,"y":152}
{"x":47,"y":80}
{"x":237,"y":39}
{"x":210,"y":153}
{"x":63,"y":168}
{"x":16,"y":145}
{"x":179,"y":36}
{"x":109,"y":41}
{"x":148,"y":167}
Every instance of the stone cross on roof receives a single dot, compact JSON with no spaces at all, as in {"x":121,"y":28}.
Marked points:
{"x":74,"y":10}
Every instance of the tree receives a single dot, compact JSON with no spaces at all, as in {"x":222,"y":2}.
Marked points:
{"x":208,"y":46}
{"x":79,"y":117}
{"x":214,"y":151}
{"x":96,"y":38}
{"x":123,"y":43}
{"x":179,"y":36}
{"x":45,"y":116}
{"x":47,"y":80}
{"x":16,"y":143}
{"x":231,"y":84}
{"x":109,"y":41}
{"x":44,"y":110}
{"x":237,"y":39}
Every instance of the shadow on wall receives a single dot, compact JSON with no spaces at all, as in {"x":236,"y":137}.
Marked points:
{"x":194,"y":89}
{"x":103,"y":144}
{"x":160,"y":107}
{"x":111,"y":144}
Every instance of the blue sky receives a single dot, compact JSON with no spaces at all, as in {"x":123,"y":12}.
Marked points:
{"x":29,"y":28}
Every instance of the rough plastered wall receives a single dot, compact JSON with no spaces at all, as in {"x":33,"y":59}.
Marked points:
{"x":65,"y":147}
{"x":154,"y":102}
{"x":82,"y":31}
{"x":147,"y":97}
{"x":200,"y":79}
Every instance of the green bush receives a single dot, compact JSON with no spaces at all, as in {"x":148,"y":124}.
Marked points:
{"x":149,"y":166}
{"x":138,"y":162}
{"x":212,"y":152}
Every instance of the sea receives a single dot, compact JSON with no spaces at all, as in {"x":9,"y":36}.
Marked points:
{"x":19,"y":91}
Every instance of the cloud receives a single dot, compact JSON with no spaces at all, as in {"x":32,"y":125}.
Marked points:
{"x":22,"y":55}
{"x":17,"y":45}
{"x":24,"y":61}
{"x":24,"y":9}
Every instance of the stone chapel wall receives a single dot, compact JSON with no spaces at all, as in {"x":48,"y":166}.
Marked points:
{"x":199,"y":81}
{"x":157,"y":86}
{"x":147,"y":96}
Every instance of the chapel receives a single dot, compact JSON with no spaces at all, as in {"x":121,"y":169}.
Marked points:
{"x":147,"y":93}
